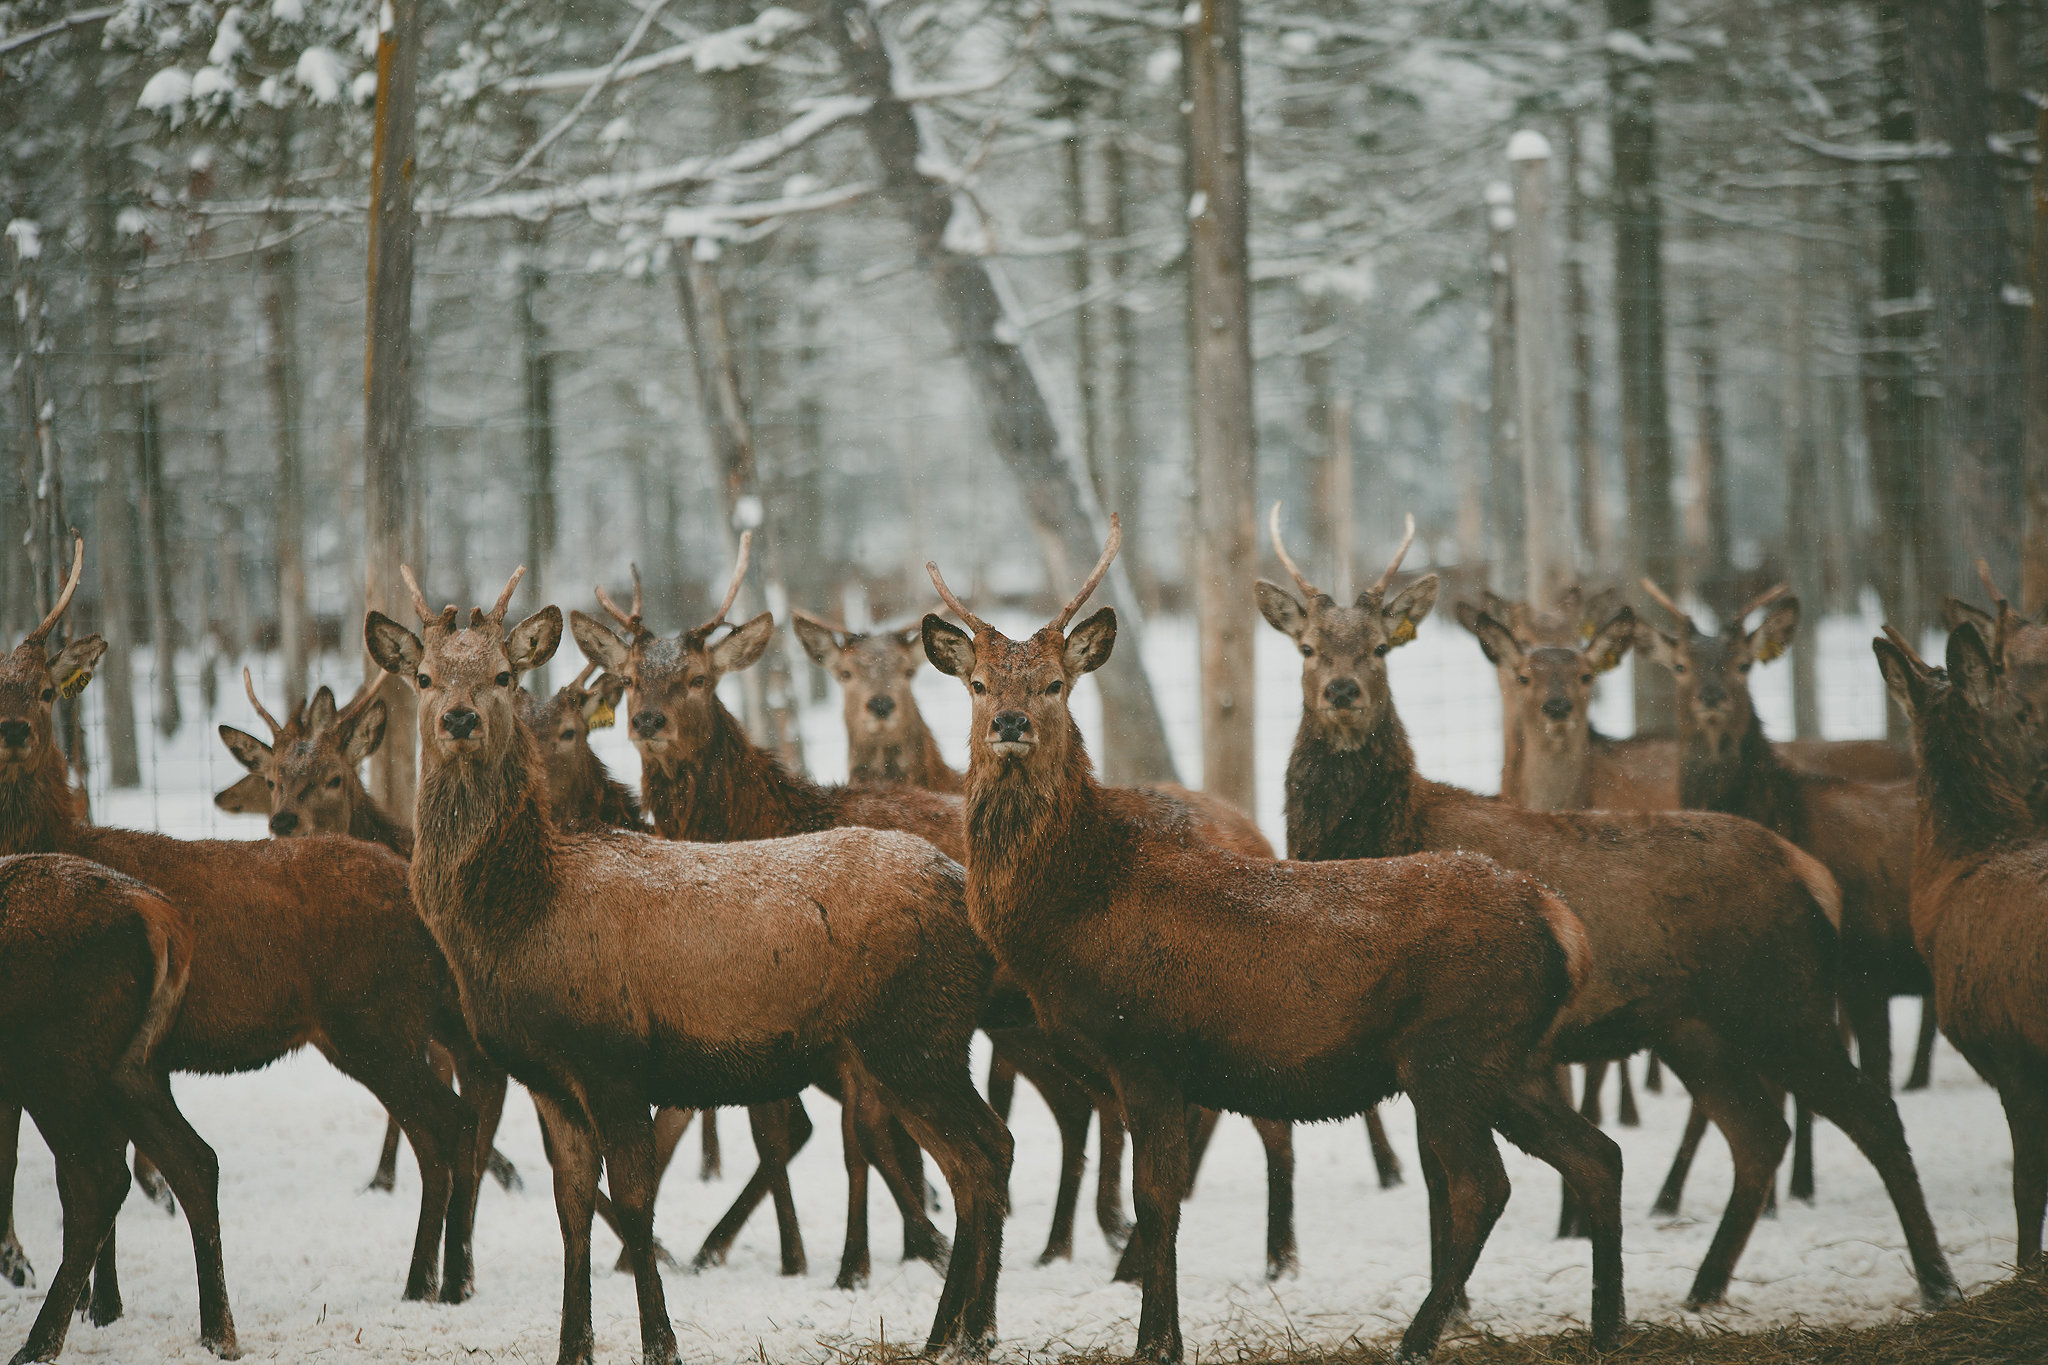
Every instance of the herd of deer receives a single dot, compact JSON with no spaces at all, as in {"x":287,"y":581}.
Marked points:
{"x":1136,"y":953}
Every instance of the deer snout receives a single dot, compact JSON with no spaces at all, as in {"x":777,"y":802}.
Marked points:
{"x":15,"y":734}
{"x":881,"y":706}
{"x":1010,"y":732}
{"x":285,"y":821}
{"x":1557,"y":708}
{"x":460,"y":723}
{"x":1341,"y":693}
{"x":647,"y":722}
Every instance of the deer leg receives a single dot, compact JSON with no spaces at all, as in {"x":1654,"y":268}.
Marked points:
{"x":1868,"y":1010}
{"x":797,"y":1125}
{"x":14,"y":1266}
{"x":1735,"y":1098}
{"x":2023,"y":1091}
{"x":151,"y":1182}
{"x":1072,"y":1107}
{"x":385,"y":1180}
{"x":104,"y":1302}
{"x":1813,"y":1067}
{"x":1475,"y":1190}
{"x":1800,"y":1186}
{"x":1589,"y":1103}
{"x":1109,"y":1177}
{"x":1386,"y":1164}
{"x":1158,"y":1115}
{"x":143,"y":1103}
{"x":1681,"y":1163}
{"x":1201,"y":1128}
{"x":1281,"y":1256}
{"x":572,"y":1152}
{"x":854,"y":1262}
{"x":1570,"y":1220}
{"x":91,"y":1183}
{"x":1002,"y":1085}
{"x":1653,"y":1075}
{"x":1590,"y":1163}
{"x":483,"y":1090}
{"x":1626,"y":1111}
{"x":1923,"y":1047}
{"x":886,"y":1142}
{"x":1439,"y":1223}
{"x":627,"y":1134}
{"x":711,"y":1166}
{"x":780,"y":1130}
{"x":668,"y":1132}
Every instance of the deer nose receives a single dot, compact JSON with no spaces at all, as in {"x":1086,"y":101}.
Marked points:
{"x":1558,"y":708}
{"x":1009,"y":727}
{"x":15,"y":734}
{"x":648,"y":723}
{"x":461,"y":723}
{"x":882,"y":705}
{"x":285,"y":821}
{"x":1714,"y":697}
{"x":1341,"y":692}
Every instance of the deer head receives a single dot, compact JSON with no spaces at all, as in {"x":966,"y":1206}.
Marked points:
{"x":1344,"y":648}
{"x":673,"y":682}
{"x":306,"y":778}
{"x":31,"y":680}
{"x":874,"y":669}
{"x":467,"y":676}
{"x":562,"y":725}
{"x":1023,"y":732}
{"x":1715,"y":714}
{"x":2018,"y":650}
{"x":1554,"y":682}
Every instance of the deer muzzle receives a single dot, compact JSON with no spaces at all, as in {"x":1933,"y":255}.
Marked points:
{"x":1557,"y":708}
{"x":881,"y":706}
{"x":1341,"y":693}
{"x":648,"y":722}
{"x":1009,"y":733}
{"x":284,"y":822}
{"x":16,"y":734}
{"x":460,"y":723}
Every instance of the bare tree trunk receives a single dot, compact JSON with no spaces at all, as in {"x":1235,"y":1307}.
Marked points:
{"x":1546,"y":515}
{"x":279,"y":273}
{"x":1062,"y":509}
{"x":1225,"y":438}
{"x":1639,"y":308}
{"x":1127,"y":448}
{"x":116,"y":415}
{"x":1505,"y":503}
{"x":1969,"y":264}
{"x":1579,"y":323}
{"x":1714,"y":580}
{"x":1343,"y":502}
{"x":2034,"y":575}
{"x":1801,"y":453}
{"x":388,"y":396}
{"x":159,"y":568}
{"x":537,"y":366}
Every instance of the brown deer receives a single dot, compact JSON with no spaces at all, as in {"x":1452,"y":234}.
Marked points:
{"x":584,"y":796}
{"x":2019,"y":649}
{"x":614,"y":972}
{"x":94,"y":967}
{"x":886,"y":737}
{"x":295,"y":941}
{"x":1166,"y":958}
{"x":1980,"y":896}
{"x":1712,"y":938}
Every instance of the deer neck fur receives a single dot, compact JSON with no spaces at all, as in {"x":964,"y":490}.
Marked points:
{"x":1352,"y":798}
{"x":913,"y":760}
{"x":734,"y":791}
{"x":1556,"y":770}
{"x":483,"y":860}
{"x":1967,"y":804}
{"x":39,"y":811}
{"x":369,"y":823}
{"x":1751,"y":783}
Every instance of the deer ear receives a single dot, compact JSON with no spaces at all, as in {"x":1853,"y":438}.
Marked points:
{"x":1089,"y":644}
{"x":73,"y":666}
{"x":1774,"y":636}
{"x":950,"y":648}
{"x":1902,"y":678}
{"x":744,"y":646}
{"x":1655,"y":645}
{"x":1599,"y":609}
{"x":248,"y":750}
{"x":321,"y":714}
{"x":533,"y":641}
{"x":1282,"y":609}
{"x":818,"y":642}
{"x":1496,"y":641}
{"x":601,"y":708}
{"x":910,"y":636}
{"x":597,"y":642}
{"x":366,"y":734}
{"x":1969,"y":666}
{"x":396,"y":649}
{"x":1403,"y":616}
{"x":1609,"y":643}
{"x":250,"y":796}
{"x":1955,"y":611}
{"x":1467,"y":615}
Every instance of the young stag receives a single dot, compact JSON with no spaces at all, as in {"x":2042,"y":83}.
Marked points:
{"x":1980,"y":896}
{"x":2018,"y":735}
{"x":613,"y":972}
{"x":296,"y":941}
{"x":93,"y":969}
{"x":1275,"y":989}
{"x":584,"y":796}
{"x":1712,"y":938}
{"x":886,"y":737}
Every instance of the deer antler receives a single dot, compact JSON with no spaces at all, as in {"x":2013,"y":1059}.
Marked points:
{"x":632,"y":622}
{"x":1663,"y":599}
{"x":1906,"y":648}
{"x":2005,"y":611}
{"x":419,"y":599}
{"x":1763,"y":599}
{"x":360,"y":702}
{"x":1308,"y":589}
{"x":581,"y":678}
{"x":249,"y":686}
{"x":37,"y":635}
{"x":1116,"y":540}
{"x":1387,"y":575}
{"x":836,"y":627}
{"x":496,"y":615}
{"x":639,"y":606}
{"x":732,"y":589}
{"x":954,"y":604}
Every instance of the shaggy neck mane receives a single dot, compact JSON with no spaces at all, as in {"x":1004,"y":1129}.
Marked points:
{"x":484,"y":855}
{"x":369,"y":823}
{"x":1351,"y":801}
{"x":1035,"y":842}
{"x":1969,"y":802}
{"x":1752,"y":784}
{"x":38,"y":810}
{"x":734,"y":791}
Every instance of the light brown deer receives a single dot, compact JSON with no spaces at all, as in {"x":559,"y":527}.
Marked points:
{"x":1712,"y":938}
{"x":886,"y":737}
{"x":1166,"y":957}
{"x":94,"y":968}
{"x":296,"y":941}
{"x":1980,"y":896}
{"x":698,"y":976}
{"x":2019,"y":650}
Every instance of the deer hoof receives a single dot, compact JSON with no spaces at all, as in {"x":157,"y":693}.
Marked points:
{"x":14,"y":1266}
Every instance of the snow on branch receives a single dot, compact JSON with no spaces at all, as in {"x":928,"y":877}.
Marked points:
{"x":64,"y":25}
{"x":1869,"y":153}
{"x":718,"y":220}
{"x":727,"y":50}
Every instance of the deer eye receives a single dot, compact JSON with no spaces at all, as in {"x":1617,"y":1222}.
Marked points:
{"x":978,"y":688}
{"x":49,"y":694}
{"x":1744,"y":668}
{"x":1308,"y":652}
{"x":504,"y":680}
{"x":568,"y":734}
{"x":424,"y":681}
{"x":1054,"y":689}
{"x":268,"y":783}
{"x":698,"y":681}
{"x":334,"y":781}
{"x":1678,"y":668}
{"x":1379,"y":652}
{"x":1522,"y":678}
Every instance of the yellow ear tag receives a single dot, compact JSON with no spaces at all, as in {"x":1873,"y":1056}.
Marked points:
{"x":74,"y":684}
{"x":1402,"y":633}
{"x":604,"y":717}
{"x":1771,"y":650}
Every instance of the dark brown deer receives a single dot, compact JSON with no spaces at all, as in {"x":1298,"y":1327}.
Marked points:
{"x":1713,"y":939}
{"x":1165,"y":957}
{"x":1980,"y":896}
{"x":296,"y":941}
{"x":94,"y":967}
{"x":886,"y":737}
{"x":2019,"y":649}
{"x":583,"y":794}
{"x":614,"y":972}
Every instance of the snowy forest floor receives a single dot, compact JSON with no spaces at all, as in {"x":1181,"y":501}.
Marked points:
{"x":315,"y":1265}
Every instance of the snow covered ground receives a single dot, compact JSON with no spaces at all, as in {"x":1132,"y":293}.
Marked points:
{"x":316,"y":1266}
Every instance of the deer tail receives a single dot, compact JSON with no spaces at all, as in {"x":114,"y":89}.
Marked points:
{"x":1820,"y":883}
{"x":170,"y":945}
{"x":1568,"y":932}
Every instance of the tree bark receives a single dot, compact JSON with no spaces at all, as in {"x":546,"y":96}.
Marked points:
{"x":1801,"y":452}
{"x":1126,"y":443}
{"x":2034,"y":571}
{"x":1969,"y":263}
{"x":278,"y":273}
{"x":1546,"y":516}
{"x":1062,"y":509}
{"x":537,"y":373}
{"x":156,"y":531}
{"x":1714,"y":577}
{"x":387,"y":387}
{"x":1504,"y":500}
{"x":1639,"y":309}
{"x":116,"y":416}
{"x":1579,"y":324}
